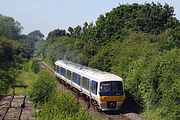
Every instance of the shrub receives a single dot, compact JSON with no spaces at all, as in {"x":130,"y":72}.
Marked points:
{"x":154,"y":83}
{"x":32,"y":65}
{"x":41,"y":90}
{"x":35,"y":67}
{"x":62,"y":106}
{"x":6,"y":80}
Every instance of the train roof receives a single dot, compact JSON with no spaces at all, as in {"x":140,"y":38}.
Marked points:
{"x":88,"y":72}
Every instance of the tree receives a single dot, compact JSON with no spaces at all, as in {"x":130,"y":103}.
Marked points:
{"x":9,"y":50}
{"x":173,"y":40}
{"x":85,"y":26}
{"x":10,"y":58}
{"x":9,"y":27}
{"x":77,"y":30}
{"x":36,"y":35}
{"x":149,"y":18}
{"x":57,"y":33}
{"x":71,"y":30}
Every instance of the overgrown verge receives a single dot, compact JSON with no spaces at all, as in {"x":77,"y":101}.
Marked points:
{"x":53,"y":104}
{"x":11,"y":62}
{"x":62,"y":106}
{"x":41,"y":89}
{"x":26,"y":75}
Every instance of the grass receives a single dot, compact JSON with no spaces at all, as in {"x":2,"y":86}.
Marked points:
{"x":24,"y":78}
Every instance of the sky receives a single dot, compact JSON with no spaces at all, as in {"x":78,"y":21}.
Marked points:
{"x":47,"y":15}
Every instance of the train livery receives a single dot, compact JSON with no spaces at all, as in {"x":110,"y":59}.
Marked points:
{"x":105,"y":90}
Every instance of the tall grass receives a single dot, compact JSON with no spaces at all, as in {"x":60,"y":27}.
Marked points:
{"x":26,"y":76}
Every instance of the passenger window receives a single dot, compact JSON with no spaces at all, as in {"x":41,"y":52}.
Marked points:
{"x":63,"y":71}
{"x":69,"y":74}
{"x":85,"y":83}
{"x":94,"y":87}
{"x":74,"y":77}
{"x":78,"y":79}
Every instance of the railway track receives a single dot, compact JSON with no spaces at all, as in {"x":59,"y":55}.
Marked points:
{"x":14,"y":108}
{"x":93,"y":110}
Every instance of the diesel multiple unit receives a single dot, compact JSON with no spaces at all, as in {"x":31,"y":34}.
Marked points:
{"x":105,"y":90}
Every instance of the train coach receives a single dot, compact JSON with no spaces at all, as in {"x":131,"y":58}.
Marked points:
{"x":103,"y":89}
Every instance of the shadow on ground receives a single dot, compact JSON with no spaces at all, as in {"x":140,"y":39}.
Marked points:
{"x":130,"y":105}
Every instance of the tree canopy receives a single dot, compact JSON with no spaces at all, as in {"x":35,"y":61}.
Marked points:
{"x":14,"y":50}
{"x":9,"y":27}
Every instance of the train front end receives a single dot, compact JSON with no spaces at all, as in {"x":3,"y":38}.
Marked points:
{"x":111,"y":95}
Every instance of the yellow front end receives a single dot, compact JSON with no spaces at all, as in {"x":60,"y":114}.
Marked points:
{"x":111,"y":103}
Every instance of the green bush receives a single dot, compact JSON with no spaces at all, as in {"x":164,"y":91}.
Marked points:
{"x":35,"y":67}
{"x":62,"y":106}
{"x":41,"y":90}
{"x":6,"y":80}
{"x":32,"y":65}
{"x":154,"y":83}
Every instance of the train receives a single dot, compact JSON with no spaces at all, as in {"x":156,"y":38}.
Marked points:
{"x":103,"y":89}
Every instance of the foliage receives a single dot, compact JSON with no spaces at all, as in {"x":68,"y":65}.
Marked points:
{"x":5,"y":81}
{"x":35,"y":67}
{"x":148,"y":18}
{"x":51,"y":51}
{"x":14,"y":49}
{"x":26,"y":76}
{"x":9,"y":49}
{"x":31,"y":65}
{"x":9,"y":27}
{"x":151,"y":87}
{"x":57,"y":33}
{"x":140,"y":43}
{"x":29,"y":42}
{"x":35,"y":35}
{"x":41,"y":89}
{"x":10,"y":63}
{"x":173,"y":40}
{"x":62,"y":106}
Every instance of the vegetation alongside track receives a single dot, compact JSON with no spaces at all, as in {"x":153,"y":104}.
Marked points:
{"x":62,"y":106}
{"x":52,"y":103}
{"x":15,"y":50}
{"x":140,"y":43}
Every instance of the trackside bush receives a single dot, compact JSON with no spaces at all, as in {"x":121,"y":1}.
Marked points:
{"x":154,"y":83}
{"x":35,"y":67}
{"x":6,"y":80}
{"x":62,"y":106}
{"x":32,"y":65}
{"x":41,"y":90}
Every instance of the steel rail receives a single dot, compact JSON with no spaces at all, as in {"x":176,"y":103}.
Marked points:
{"x":9,"y":106}
{"x":22,"y":107}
